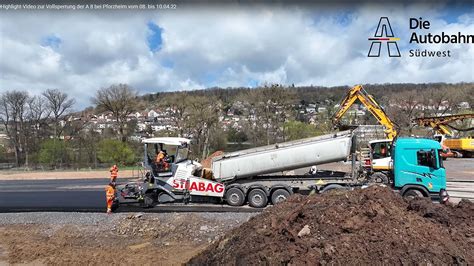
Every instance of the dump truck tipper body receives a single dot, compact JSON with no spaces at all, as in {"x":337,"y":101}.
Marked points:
{"x":282,"y":156}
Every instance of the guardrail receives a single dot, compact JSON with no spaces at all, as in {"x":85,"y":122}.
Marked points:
{"x":4,"y":166}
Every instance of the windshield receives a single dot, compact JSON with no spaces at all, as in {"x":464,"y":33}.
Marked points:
{"x":182,"y":153}
{"x":381,"y":150}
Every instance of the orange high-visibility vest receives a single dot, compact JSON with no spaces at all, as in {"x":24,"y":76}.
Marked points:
{"x":113,"y":172}
{"x":110,"y":192}
{"x":160,"y":157}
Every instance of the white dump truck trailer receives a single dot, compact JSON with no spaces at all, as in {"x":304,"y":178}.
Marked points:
{"x":282,"y":157}
{"x":257,"y":176}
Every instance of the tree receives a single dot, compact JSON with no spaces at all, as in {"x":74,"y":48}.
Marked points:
{"x":298,"y":130}
{"x":270,"y":107}
{"x":53,"y":152}
{"x":177,"y":104}
{"x":120,"y":100}
{"x":203,"y":116}
{"x":236,"y":136}
{"x":13,"y":115}
{"x":37,"y":114}
{"x":58,"y":103}
{"x":3,"y":153}
{"x":403,"y":109}
{"x":115,"y":151}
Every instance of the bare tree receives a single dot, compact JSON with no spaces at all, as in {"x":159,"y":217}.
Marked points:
{"x":403,"y":109}
{"x":442,"y":101}
{"x":13,"y":116}
{"x":58,"y":104}
{"x":178,"y":106}
{"x":271,"y":107}
{"x":203,"y":116}
{"x":37,"y":114}
{"x":120,"y":100}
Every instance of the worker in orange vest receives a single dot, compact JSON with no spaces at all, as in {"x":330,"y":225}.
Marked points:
{"x":113,"y":173}
{"x":383,"y":150}
{"x":160,"y":156}
{"x":161,"y":161}
{"x":110,"y":196}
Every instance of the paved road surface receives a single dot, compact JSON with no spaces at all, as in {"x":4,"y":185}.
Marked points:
{"x":81,"y":195}
{"x":88,"y":195}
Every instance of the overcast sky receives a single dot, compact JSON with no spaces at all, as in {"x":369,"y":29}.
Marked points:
{"x":199,"y":47}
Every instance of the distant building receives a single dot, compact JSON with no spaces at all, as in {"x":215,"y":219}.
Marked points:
{"x":322,"y":109}
{"x":464,"y":105}
{"x":152,"y":114}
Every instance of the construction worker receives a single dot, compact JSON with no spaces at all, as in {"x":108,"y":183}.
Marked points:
{"x":110,"y":196}
{"x":383,"y":150}
{"x":161,"y":161}
{"x":113,"y":173}
{"x":160,"y":157}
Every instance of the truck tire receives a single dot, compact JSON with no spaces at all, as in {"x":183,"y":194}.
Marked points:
{"x":258,"y":198}
{"x":235,"y":197}
{"x":412,"y":194}
{"x":279,"y":195}
{"x":379,"y":178}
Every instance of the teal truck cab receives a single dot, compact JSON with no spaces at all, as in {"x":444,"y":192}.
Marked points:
{"x":418,"y":169}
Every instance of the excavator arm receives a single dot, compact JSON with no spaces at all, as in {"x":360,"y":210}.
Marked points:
{"x":358,"y":93}
{"x":441,"y":124}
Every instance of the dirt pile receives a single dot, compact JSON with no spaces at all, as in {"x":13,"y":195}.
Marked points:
{"x":206,"y":163}
{"x":367,"y":226}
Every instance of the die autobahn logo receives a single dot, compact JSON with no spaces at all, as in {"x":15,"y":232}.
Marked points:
{"x":384,"y":35}
{"x":384,"y":40}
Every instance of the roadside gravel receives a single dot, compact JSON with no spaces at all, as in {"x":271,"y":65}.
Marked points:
{"x":104,"y":220}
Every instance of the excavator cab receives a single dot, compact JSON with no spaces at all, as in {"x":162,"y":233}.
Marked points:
{"x":380,"y":154}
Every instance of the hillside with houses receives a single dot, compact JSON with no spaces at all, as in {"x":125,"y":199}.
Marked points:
{"x":214,"y":119}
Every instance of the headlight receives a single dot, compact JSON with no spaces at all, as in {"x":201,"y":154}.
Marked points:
{"x":443,"y":196}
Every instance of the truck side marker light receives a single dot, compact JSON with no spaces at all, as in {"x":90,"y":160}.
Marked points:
{"x":430,"y":186}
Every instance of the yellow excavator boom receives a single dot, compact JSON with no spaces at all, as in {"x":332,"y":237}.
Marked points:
{"x":358,"y":93}
{"x":440,"y":124}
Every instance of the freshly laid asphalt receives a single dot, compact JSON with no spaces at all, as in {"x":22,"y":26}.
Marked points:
{"x":81,"y":195}
{"x":88,"y":195}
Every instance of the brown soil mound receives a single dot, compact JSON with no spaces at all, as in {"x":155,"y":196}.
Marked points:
{"x":369,"y":226}
{"x":206,"y":163}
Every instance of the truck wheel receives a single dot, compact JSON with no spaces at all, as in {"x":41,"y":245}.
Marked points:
{"x":279,"y":195}
{"x":379,"y":178}
{"x":413,"y":194}
{"x":258,"y":198}
{"x":235,"y":197}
